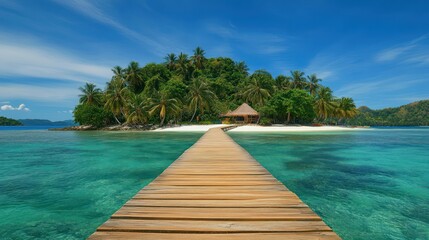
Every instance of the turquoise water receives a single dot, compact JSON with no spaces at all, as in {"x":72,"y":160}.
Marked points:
{"x":63,"y":185}
{"x":366,"y":185}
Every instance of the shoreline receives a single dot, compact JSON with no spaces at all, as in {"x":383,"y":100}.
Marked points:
{"x":257,"y":128}
{"x":189,"y":128}
{"x":205,"y":128}
{"x":280,"y":129}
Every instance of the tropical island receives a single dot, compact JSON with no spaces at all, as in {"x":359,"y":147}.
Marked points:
{"x":196,"y":89}
{"x":9,"y":122}
{"x":413,"y":114}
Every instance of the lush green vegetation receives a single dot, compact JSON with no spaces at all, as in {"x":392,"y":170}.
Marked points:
{"x":9,"y":122}
{"x":196,"y":88}
{"x":413,"y":114}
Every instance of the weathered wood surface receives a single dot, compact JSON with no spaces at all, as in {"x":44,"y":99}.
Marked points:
{"x":215,"y":190}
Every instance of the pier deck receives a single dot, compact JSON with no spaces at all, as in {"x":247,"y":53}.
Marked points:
{"x":215,"y":190}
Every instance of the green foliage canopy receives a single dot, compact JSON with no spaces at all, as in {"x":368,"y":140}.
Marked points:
{"x":291,"y":105}
{"x":197,"y":88}
{"x":89,"y":114}
{"x":9,"y":122}
{"x":413,"y":114}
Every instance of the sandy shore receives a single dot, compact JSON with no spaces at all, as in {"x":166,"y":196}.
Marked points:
{"x":255,"y":128}
{"x":190,"y":128}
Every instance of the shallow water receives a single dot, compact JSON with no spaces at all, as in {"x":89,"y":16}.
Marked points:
{"x":365,"y":185}
{"x":63,"y":185}
{"x":370,"y":184}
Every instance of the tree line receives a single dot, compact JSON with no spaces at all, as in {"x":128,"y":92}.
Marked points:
{"x":198,"y":89}
{"x":413,"y":114}
{"x":4,"y":121}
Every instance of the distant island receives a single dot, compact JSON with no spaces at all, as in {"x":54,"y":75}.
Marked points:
{"x":9,"y":122}
{"x":34,"y":122}
{"x":44,"y":122}
{"x":413,"y":114}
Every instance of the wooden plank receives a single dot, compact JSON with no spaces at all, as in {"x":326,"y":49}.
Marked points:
{"x":214,"y":177}
{"x":217,"y":171}
{"x":215,"y":190}
{"x":215,"y":183}
{"x":200,"y":226}
{"x":285,"y":214}
{"x":216,"y":196}
{"x":268,"y":203}
{"x":218,"y":188}
{"x":229,"y":236}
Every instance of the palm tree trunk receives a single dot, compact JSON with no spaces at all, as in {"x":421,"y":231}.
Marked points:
{"x":195,"y":111}
{"x":162,"y":121}
{"x":122,"y":112}
{"x":117,"y":120}
{"x":288,"y":118}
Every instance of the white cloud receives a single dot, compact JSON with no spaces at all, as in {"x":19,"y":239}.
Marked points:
{"x":377,"y":87}
{"x":393,"y":53}
{"x":29,"y":60}
{"x":90,"y":10}
{"x":258,"y":42}
{"x":21,"y":107}
{"x":7,"y":107}
{"x":415,"y":51}
{"x":66,"y":111}
{"x":37,"y":93}
{"x":329,"y":66}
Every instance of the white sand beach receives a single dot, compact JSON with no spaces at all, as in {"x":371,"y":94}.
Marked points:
{"x":190,"y":128}
{"x":256,"y":128}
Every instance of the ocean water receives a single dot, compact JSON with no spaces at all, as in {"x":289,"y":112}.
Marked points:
{"x":63,"y":185}
{"x":371,"y":184}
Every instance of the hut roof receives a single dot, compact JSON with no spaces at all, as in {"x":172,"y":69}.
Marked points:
{"x":242,"y":110}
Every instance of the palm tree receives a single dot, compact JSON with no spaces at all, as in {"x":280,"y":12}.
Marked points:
{"x":313,"y":83}
{"x":118,"y":72}
{"x":346,"y":108}
{"x":152,"y":85}
{"x":242,"y":68}
{"x":324,"y":103}
{"x":164,"y":106}
{"x":171,"y":61}
{"x":198,"y":58}
{"x":283,"y":82}
{"x":134,"y":77}
{"x":90,"y":94}
{"x":183,"y":65}
{"x":200,"y":96}
{"x":116,"y":98}
{"x":298,"y":79}
{"x":137,"y":109}
{"x":255,"y":93}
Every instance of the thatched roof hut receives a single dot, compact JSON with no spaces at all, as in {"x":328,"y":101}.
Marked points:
{"x":243,"y":114}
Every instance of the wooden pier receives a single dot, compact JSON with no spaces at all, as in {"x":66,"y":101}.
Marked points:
{"x":215,"y":190}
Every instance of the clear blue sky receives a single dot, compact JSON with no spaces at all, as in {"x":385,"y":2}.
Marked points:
{"x":374,"y":51}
